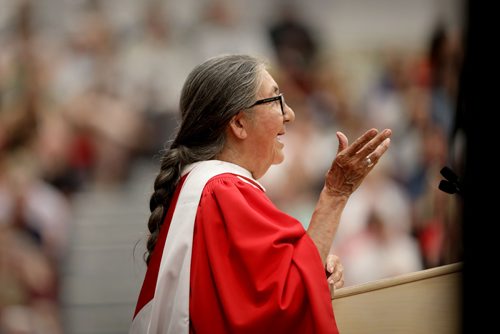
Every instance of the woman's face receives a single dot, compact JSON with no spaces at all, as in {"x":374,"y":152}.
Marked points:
{"x":267,"y":126}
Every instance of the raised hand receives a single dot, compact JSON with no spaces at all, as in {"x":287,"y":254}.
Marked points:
{"x":353,"y":162}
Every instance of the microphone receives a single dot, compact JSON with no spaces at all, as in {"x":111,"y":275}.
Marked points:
{"x":452,"y":184}
{"x":447,"y":187}
{"x":449,"y":174}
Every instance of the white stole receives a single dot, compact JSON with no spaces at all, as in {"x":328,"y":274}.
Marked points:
{"x":168,"y":311}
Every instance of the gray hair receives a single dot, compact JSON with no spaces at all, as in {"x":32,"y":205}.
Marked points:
{"x":213,"y":93}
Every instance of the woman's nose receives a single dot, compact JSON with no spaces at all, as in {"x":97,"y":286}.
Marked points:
{"x":289,"y":115}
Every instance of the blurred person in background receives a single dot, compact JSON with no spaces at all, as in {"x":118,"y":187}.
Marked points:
{"x":218,"y":247}
{"x":295,"y":51}
{"x":28,"y":285}
{"x":221,"y":29}
{"x":374,"y":241}
{"x":107,"y":127}
{"x":152,"y":65}
{"x":80,"y":119}
{"x":34,"y":208}
{"x":34,"y":221}
{"x":294,"y":43}
{"x":444,"y":62}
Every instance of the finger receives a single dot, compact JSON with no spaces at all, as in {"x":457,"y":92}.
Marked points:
{"x":343,"y":141}
{"x":375,"y":142}
{"x":331,"y":262}
{"x":361,"y":141}
{"x":339,"y":284}
{"x":337,"y":276}
{"x":379,"y":151}
{"x":334,"y":278}
{"x":332,"y":290}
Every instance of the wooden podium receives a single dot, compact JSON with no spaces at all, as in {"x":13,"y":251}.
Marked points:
{"x":427,"y":301}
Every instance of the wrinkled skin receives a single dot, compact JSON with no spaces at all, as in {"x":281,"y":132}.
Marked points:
{"x":351,"y":166}
{"x":336,"y":272}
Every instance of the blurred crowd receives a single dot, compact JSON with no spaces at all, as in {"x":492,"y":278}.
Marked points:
{"x":80,"y":106}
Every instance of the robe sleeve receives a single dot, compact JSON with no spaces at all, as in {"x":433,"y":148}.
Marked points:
{"x":254,"y":269}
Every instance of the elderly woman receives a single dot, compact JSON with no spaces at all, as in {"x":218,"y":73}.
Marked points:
{"x":221,"y":257}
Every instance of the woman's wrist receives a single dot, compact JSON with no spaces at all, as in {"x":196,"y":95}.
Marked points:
{"x":333,"y":196}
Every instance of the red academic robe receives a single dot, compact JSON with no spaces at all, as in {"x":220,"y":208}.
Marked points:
{"x":253,"y":268}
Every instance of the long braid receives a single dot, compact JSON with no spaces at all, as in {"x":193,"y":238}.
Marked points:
{"x":172,"y":163}
{"x":213,"y":93}
{"x":164,"y":186}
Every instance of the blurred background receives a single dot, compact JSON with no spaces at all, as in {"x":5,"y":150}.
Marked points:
{"x":89,"y":96}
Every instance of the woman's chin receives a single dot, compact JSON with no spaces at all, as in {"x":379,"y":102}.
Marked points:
{"x":279,"y":157}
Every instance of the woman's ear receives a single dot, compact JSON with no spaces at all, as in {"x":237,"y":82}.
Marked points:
{"x":238,"y":125}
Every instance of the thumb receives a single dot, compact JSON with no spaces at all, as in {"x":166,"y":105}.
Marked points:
{"x":343,"y":142}
{"x":330,"y":263}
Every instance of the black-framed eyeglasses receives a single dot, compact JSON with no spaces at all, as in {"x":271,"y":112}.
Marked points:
{"x":279,"y":97}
